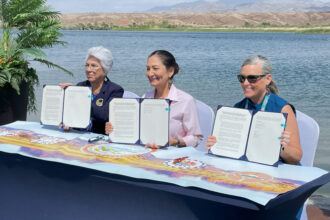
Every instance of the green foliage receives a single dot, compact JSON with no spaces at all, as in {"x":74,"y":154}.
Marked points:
{"x":314,"y":31}
{"x":165,"y":23}
{"x":36,"y":26}
{"x":247,"y":24}
{"x":265,"y":24}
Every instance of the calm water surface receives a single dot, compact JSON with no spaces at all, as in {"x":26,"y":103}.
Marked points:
{"x":209,"y":64}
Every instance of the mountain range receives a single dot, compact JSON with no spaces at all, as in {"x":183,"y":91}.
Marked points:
{"x":245,"y":6}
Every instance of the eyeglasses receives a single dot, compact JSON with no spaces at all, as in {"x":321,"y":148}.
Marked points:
{"x":92,"y":66}
{"x":250,"y":78}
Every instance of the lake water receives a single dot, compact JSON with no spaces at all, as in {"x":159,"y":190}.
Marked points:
{"x":209,"y":64}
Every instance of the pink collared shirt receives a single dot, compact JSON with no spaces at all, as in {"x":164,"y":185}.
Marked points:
{"x":184,"y":120}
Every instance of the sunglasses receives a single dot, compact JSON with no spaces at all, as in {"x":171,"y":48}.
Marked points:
{"x":250,"y":78}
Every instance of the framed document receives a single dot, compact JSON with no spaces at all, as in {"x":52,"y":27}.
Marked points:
{"x":70,"y":106}
{"x":139,"y":121}
{"x":248,"y":135}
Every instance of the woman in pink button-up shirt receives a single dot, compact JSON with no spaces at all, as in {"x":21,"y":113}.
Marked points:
{"x":184,"y":121}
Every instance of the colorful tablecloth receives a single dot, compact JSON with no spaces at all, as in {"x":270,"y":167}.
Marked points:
{"x":186,"y":167}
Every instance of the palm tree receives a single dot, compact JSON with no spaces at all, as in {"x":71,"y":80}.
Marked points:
{"x":28,"y":26}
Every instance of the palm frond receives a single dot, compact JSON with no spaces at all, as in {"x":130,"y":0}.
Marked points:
{"x":23,"y":19}
{"x":45,"y":34}
{"x":32,"y":52}
{"x":52,"y":65}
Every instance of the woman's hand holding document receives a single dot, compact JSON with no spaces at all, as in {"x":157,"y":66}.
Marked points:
{"x":246,"y":135}
{"x":70,"y":106}
{"x":139,"y":121}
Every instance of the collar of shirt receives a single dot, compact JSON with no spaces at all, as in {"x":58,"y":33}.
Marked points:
{"x":173,"y":94}
{"x":256,"y":106}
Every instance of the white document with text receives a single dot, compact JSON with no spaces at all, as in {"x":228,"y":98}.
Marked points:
{"x":139,"y":121}
{"x":231,"y":128}
{"x":70,"y":106}
{"x":124,"y":116}
{"x":52,"y":105}
{"x":264,"y":141}
{"x":154,"y":121}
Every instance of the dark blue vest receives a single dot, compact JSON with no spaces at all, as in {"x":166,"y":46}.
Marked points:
{"x":275,"y":104}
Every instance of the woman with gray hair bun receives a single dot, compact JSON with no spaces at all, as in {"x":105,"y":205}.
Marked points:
{"x":261,"y":94}
{"x":99,"y":61}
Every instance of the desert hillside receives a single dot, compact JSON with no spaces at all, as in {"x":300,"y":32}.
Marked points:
{"x":198,"y":20}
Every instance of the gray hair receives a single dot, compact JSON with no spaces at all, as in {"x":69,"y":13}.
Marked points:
{"x":266,"y":68}
{"x":103,"y":55}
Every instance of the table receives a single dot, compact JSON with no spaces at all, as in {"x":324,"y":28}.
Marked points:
{"x":38,"y":188}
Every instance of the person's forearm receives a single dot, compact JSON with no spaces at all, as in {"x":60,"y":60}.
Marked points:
{"x":291,"y":155}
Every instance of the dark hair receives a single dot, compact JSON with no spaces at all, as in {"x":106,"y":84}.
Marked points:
{"x":167,"y":59}
{"x":266,"y":68}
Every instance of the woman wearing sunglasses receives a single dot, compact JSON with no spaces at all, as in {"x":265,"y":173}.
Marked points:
{"x":260,"y":93}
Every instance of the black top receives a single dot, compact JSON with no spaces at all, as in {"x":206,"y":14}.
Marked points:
{"x":100,"y":103}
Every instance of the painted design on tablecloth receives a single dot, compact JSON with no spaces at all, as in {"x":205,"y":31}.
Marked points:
{"x":5,"y":132}
{"x":81,"y":150}
{"x":48,"y":140}
{"x":249,"y":177}
{"x":114,"y":150}
{"x":184,"y":163}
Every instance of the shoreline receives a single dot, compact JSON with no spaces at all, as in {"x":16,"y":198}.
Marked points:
{"x":296,"y":30}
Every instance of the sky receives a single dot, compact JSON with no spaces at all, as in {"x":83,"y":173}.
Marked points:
{"x":83,"y":6}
